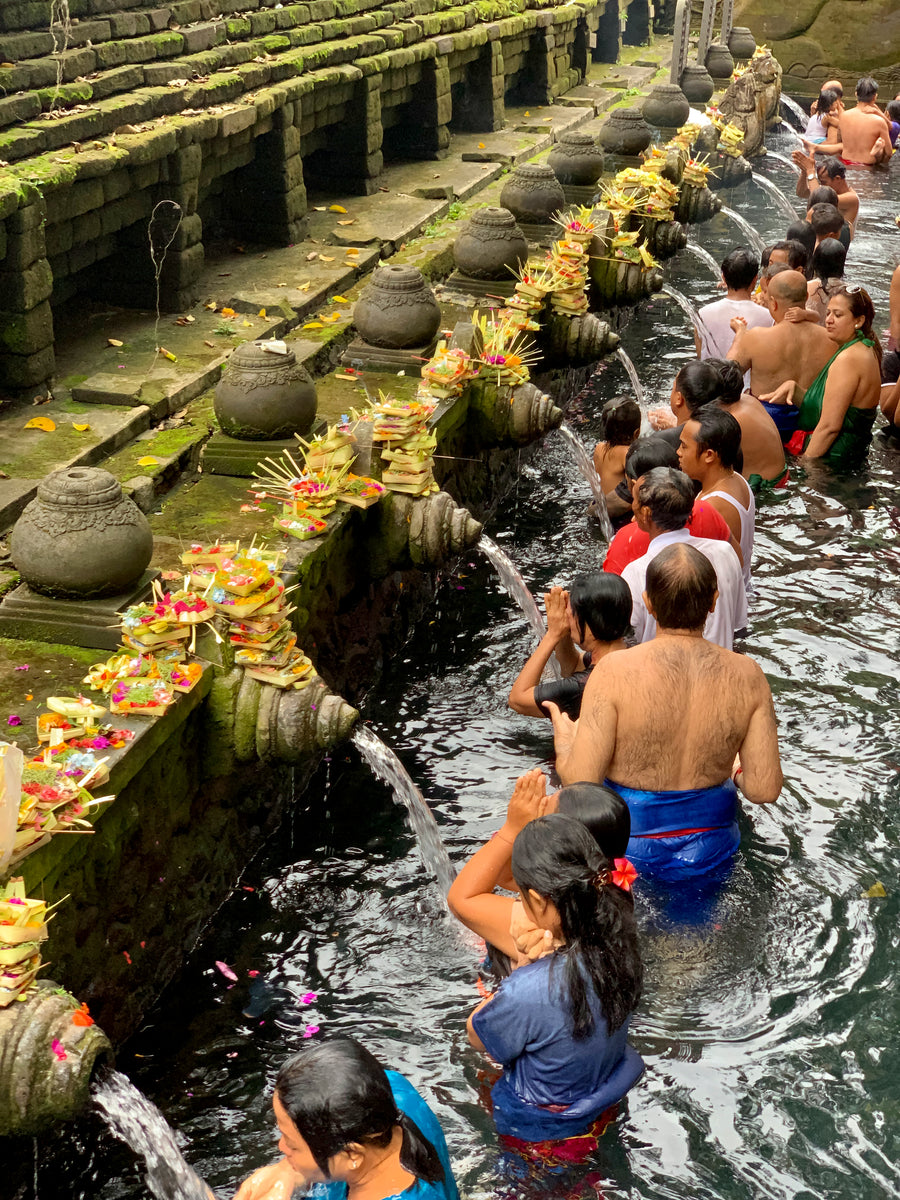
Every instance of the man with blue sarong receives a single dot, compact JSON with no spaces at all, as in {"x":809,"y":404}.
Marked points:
{"x":676,"y":726}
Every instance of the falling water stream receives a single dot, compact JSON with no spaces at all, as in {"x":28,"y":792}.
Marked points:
{"x":511,"y":578}
{"x":632,"y":374}
{"x":782,"y":158}
{"x":777,"y":194}
{"x":795,"y":110}
{"x":586,"y":466}
{"x":705,"y":257}
{"x":746,"y":229}
{"x":687,"y":307}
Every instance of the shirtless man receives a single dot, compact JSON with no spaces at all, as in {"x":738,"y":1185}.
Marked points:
{"x":663,"y":723}
{"x":827,"y":172}
{"x":761,"y":445}
{"x":865,"y":131}
{"x":789,"y":350}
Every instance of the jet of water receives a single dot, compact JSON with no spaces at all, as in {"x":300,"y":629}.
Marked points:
{"x":631,"y":371}
{"x":705,"y":257}
{"x":795,"y":110}
{"x":782,"y":158}
{"x":140,"y":1124}
{"x":512,"y":580}
{"x":689,"y":309}
{"x":774,"y":190}
{"x":746,"y":228}
{"x":390,"y":770}
{"x":586,"y":466}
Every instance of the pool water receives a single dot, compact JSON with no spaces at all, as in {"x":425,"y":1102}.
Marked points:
{"x":769,"y":1024}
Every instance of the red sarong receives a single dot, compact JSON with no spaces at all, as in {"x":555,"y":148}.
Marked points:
{"x":566,"y":1150}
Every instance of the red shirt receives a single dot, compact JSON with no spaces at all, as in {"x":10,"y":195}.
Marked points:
{"x":631,"y":543}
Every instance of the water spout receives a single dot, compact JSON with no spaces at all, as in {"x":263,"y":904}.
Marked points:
{"x":140,"y":1124}
{"x":585,"y":465}
{"x":705,"y":257}
{"x":775,"y":191}
{"x":747,"y":229}
{"x":631,"y":372}
{"x":390,"y":770}
{"x":795,"y":110}
{"x":689,"y":309}
{"x":782,"y":158}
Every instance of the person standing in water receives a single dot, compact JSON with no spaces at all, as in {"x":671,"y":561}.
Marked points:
{"x":865,"y":132}
{"x":351,"y":1131}
{"x":675,"y":726}
{"x":621,"y":426}
{"x":762,"y":452}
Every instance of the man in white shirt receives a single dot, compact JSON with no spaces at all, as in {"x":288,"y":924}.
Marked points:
{"x":663,"y":502}
{"x":739,"y":272}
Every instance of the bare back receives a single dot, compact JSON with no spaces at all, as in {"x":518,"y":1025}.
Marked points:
{"x":859,"y":132}
{"x":760,"y":440}
{"x":795,"y":350}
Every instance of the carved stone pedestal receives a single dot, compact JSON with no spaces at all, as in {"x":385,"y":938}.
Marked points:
{"x":27,"y":615}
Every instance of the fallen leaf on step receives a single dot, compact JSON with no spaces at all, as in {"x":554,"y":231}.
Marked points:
{"x":247,"y":324}
{"x":351,"y":221}
{"x":875,"y":892}
{"x":481,"y":145}
{"x":114,"y":342}
{"x":325,"y":258}
{"x":213,"y":306}
{"x":228,"y":312}
{"x":261,"y":313}
{"x":41,"y":423}
{"x":148,"y":461}
{"x":212,"y":345}
{"x":339,"y":208}
{"x":304,"y":287}
{"x":319,"y":208}
{"x":339,"y":300}
{"x":313,"y":325}
{"x":351,"y":250}
{"x":81,"y":428}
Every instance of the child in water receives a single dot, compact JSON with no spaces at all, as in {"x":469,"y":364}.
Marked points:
{"x":621,"y":424}
{"x":559,"y":1024}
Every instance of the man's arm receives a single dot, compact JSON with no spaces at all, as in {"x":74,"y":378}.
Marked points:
{"x":584,"y":749}
{"x":743,"y":345}
{"x":894,"y":326}
{"x":807,"y":166}
{"x":759,"y":776}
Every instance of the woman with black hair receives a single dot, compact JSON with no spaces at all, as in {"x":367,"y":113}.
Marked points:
{"x":620,"y":425}
{"x":558,"y":1025}
{"x":351,"y":1131}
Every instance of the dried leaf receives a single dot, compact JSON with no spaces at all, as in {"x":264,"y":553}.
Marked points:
{"x":351,"y":221}
{"x":351,"y":250}
{"x":114,"y":342}
{"x":213,"y":306}
{"x":81,"y":428}
{"x":339,"y":208}
{"x":247,"y":324}
{"x":319,"y":208}
{"x":339,"y":300}
{"x":261,"y":313}
{"x":41,"y":423}
{"x":875,"y":892}
{"x":228,"y":312}
{"x":313,"y":325}
{"x":325,"y":258}
{"x":481,"y":145}
{"x":212,"y":345}
{"x":148,"y":461}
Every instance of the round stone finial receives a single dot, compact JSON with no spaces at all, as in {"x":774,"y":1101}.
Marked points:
{"x":490,"y":245}
{"x":719,"y":62}
{"x":625,"y":132}
{"x":576,"y":159}
{"x":533,"y":194}
{"x":741,"y":42}
{"x":697,"y":83}
{"x":666,"y":106}
{"x":80,"y":538}
{"x":263,"y":394}
{"x":397,"y":310}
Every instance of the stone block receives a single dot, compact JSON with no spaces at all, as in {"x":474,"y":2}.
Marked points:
{"x":16,"y":46}
{"x":291,"y":15}
{"x":237,"y":119}
{"x":188,"y":233}
{"x":18,"y":108}
{"x":30,"y":216}
{"x":15,"y":79}
{"x":148,"y":146}
{"x":87,"y":228}
{"x":118,"y":79}
{"x":147,"y":175}
{"x":159,"y":18}
{"x":127,"y":24}
{"x":115,"y":54}
{"x":262,"y":23}
{"x":25,"y":289}
{"x":25,"y":333}
{"x":22,"y":142}
{"x":183,"y":269}
{"x":59,"y":239}
{"x":26,"y":370}
{"x":23,"y":249}
{"x":116,"y":185}
{"x":321,"y":10}
{"x":105,"y":388}
{"x":86,"y":32}
{"x":202,"y":37}
{"x":126,"y":211}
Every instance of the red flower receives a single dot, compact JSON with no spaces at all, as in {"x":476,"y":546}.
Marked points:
{"x":624,"y":874}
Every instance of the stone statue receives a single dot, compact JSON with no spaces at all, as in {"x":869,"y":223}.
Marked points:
{"x":752,"y":100}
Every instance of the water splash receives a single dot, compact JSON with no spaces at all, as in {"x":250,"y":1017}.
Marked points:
{"x":585,"y":465}
{"x":390,"y":770}
{"x":689,"y":309}
{"x":746,"y":228}
{"x":775,"y":191}
{"x":705,"y":257}
{"x":140,"y":1124}
{"x":511,"y":579}
{"x":631,"y":371}
{"x":783,"y":158}
{"x":795,"y":110}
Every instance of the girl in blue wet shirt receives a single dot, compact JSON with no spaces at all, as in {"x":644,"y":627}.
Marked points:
{"x":559,"y":1026}
{"x":350,"y":1130}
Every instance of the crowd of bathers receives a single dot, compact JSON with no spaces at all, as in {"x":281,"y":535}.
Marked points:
{"x":660,"y":727}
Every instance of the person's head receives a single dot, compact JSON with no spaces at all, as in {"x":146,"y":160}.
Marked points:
{"x":663,"y":500}
{"x":709,"y":441}
{"x":892,"y":108}
{"x":822,"y":195}
{"x":790,"y":254}
{"x":645,"y":454}
{"x":696,"y":384}
{"x":768,"y":275}
{"x":866,"y":89}
{"x":335,"y":1110}
{"x":834,"y":85}
{"x":732,"y":378}
{"x":799,"y":231}
{"x":829,"y":168}
{"x":681,"y":588}
{"x":827,"y":101}
{"x":620,"y":421}
{"x":739,"y":270}
{"x":829,"y":259}
{"x":787,"y":290}
{"x":825,"y":220}
{"x":566,"y":887}
{"x":600,"y":603}
{"x":851,"y":311}
{"x":602,"y":812}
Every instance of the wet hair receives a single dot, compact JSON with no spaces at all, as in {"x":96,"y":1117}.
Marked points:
{"x":669,"y":495}
{"x":556,"y":857}
{"x":832,"y":166}
{"x":822,"y":195}
{"x":720,"y":432}
{"x":739,"y":269}
{"x":797,"y":254}
{"x":337,"y":1093}
{"x":860,"y":303}
{"x":826,"y":101}
{"x":620,"y":421}
{"x":732,"y":379}
{"x":829,"y":259}
{"x":602,"y":812}
{"x":825,"y":219}
{"x":790,"y":287}
{"x":699,"y":384}
{"x":866,"y":88}
{"x":834,"y":85}
{"x":774,"y":269}
{"x":892,"y":108}
{"x":681,"y":583}
{"x":647,"y":453}
{"x":602,"y":602}
{"x":764,"y":257}
{"x":800,"y":231}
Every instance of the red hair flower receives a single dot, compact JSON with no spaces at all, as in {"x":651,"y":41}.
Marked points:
{"x":624,"y":874}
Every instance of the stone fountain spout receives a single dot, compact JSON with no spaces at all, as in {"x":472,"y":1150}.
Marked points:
{"x":46,"y":1061}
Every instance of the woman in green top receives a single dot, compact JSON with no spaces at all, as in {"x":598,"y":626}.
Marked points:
{"x":839,"y":407}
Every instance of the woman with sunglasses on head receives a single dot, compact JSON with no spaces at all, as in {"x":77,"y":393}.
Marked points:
{"x":351,"y":1131}
{"x":838,"y":410}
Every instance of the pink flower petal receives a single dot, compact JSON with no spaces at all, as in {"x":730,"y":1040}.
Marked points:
{"x":227,"y":971}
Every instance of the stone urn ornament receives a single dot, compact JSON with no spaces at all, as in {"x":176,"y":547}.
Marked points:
{"x":490,"y":245}
{"x":741,"y":42}
{"x":576,"y":159}
{"x":397,"y":310}
{"x":533,"y":194}
{"x":666,"y":107}
{"x":264,"y":393}
{"x":625,"y":132}
{"x":697,"y":83}
{"x":719,"y":62}
{"x":81,"y":538}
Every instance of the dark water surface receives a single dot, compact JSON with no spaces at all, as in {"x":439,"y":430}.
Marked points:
{"x":770,"y":1032}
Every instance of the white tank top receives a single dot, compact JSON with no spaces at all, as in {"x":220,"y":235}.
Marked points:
{"x":747,"y":514}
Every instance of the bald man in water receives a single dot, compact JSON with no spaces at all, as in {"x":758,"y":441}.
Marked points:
{"x":795,"y":350}
{"x":663,"y":722}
